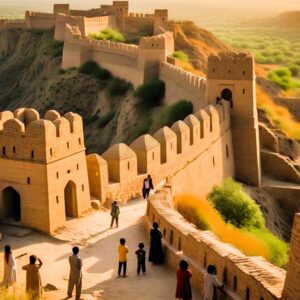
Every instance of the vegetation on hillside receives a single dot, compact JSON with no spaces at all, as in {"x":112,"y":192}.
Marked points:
{"x":180,"y":55}
{"x":92,"y":68}
{"x":151,"y":93}
{"x":169,"y":114}
{"x":108,"y":34}
{"x":283,"y":77}
{"x":235,"y":206}
{"x":251,"y":240}
{"x":279,"y":115}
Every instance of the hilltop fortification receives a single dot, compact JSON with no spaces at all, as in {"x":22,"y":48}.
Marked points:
{"x":51,"y":179}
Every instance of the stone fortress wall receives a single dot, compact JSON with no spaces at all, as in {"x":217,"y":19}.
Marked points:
{"x":244,"y":277}
{"x":57,"y":179}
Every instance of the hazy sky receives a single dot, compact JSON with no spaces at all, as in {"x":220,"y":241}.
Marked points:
{"x":200,"y":11}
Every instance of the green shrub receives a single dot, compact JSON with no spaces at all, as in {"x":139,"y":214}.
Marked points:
{"x":92,"y":68}
{"x":295,"y":70}
{"x":181,"y":56}
{"x":119,"y":87}
{"x":141,"y":128}
{"x":283,"y":78}
{"x":172,"y":113}
{"x":151,"y":93}
{"x":103,"y":121}
{"x":108,"y":34}
{"x":235,"y":206}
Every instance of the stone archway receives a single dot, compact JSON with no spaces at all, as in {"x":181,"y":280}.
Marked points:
{"x":226,"y":94}
{"x":11,"y":204}
{"x":70,"y":200}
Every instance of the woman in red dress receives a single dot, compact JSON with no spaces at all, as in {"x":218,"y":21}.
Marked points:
{"x":184,"y":274}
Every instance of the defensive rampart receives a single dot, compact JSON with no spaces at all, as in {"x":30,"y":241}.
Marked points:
{"x":181,"y":84}
{"x":244,"y":277}
{"x":202,"y":142}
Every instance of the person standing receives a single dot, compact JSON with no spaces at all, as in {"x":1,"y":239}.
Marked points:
{"x":10,"y":268}
{"x":75,"y":278}
{"x":33,"y":278}
{"x":156,"y":254}
{"x":183,"y":289}
{"x":141,"y":259}
{"x":122,"y":250}
{"x":146,"y":188}
{"x":115,"y":211}
{"x":149,"y":178}
{"x":210,"y":283}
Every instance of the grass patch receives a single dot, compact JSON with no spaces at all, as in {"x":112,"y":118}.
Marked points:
{"x":279,"y":115}
{"x":251,"y":241}
{"x":142,"y":128}
{"x":108,"y":34}
{"x":103,"y":121}
{"x":119,"y":87}
{"x":92,"y":68}
{"x":172,"y":113}
{"x":151,"y":93}
{"x":181,"y":56}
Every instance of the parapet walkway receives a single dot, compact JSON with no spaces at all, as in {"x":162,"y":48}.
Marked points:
{"x":98,"y":246}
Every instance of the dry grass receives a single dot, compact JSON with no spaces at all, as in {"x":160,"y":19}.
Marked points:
{"x":247,"y":242}
{"x":280,"y":116}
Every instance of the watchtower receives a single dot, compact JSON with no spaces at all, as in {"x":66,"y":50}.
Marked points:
{"x":46,"y":180}
{"x":61,"y":9}
{"x":120,"y":9}
{"x":231,"y":77}
{"x":160,"y":20}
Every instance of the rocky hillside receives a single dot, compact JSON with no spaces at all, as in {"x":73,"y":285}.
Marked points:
{"x":30,"y":76}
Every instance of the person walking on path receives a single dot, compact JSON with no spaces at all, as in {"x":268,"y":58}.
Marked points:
{"x":33,"y":278}
{"x":183,"y":289}
{"x":149,"y":178}
{"x":141,"y":259}
{"x":146,"y":188}
{"x":210,"y":283}
{"x":75,"y":277}
{"x":156,"y":254}
{"x":115,"y":211}
{"x":122,"y":250}
{"x":10,"y":268}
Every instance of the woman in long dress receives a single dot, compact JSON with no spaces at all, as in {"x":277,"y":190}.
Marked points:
{"x":10,"y":268}
{"x":184,"y":274}
{"x":156,"y":254}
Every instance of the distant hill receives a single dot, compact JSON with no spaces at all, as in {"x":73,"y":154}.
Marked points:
{"x":287,"y":20}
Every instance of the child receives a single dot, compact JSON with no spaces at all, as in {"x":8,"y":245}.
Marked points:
{"x":123,"y":250}
{"x":141,"y":258}
{"x":33,"y":278}
{"x":183,"y":289}
{"x":210,"y":283}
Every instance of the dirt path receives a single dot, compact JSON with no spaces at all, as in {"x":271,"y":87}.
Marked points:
{"x":98,"y":246}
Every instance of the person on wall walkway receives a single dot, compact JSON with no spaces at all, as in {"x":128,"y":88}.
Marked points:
{"x":10,"y":268}
{"x":33,"y":278}
{"x":115,"y":211}
{"x":184,"y":274}
{"x":146,"y":188}
{"x":211,"y":283}
{"x":75,"y":277}
{"x":156,"y":254}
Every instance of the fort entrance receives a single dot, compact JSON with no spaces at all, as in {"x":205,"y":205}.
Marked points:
{"x":11,"y":205}
{"x":70,"y":200}
{"x":226,"y":94}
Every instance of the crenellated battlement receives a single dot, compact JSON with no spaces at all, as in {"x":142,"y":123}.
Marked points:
{"x":161,"y":41}
{"x":231,"y":66}
{"x":24,"y":136}
{"x":181,"y":76}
